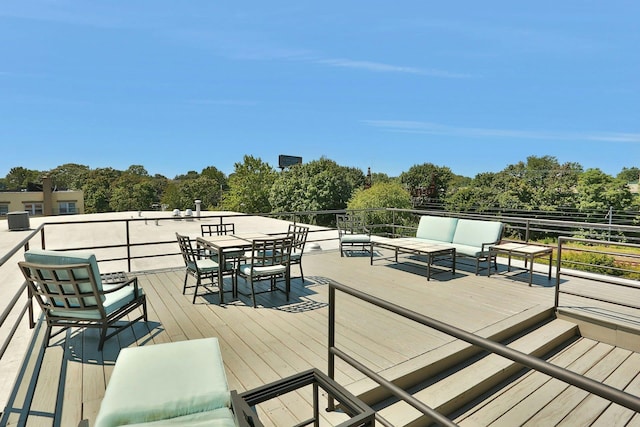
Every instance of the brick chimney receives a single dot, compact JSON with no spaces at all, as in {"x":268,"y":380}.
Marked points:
{"x":47,"y":196}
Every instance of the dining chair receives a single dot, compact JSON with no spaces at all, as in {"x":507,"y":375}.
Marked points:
{"x":298,"y":234}
{"x":270,"y":260}
{"x":353,"y":233}
{"x":70,"y":291}
{"x":203,"y":266}
{"x":233,"y":254}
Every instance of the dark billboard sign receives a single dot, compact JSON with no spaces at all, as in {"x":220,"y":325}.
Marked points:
{"x":286,"y":161}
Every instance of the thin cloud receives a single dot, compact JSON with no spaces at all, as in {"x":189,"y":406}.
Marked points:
{"x":230,"y":102}
{"x":439,"y":129}
{"x":388,"y":68}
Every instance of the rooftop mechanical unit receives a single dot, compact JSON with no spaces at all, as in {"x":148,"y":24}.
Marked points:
{"x":18,"y":220}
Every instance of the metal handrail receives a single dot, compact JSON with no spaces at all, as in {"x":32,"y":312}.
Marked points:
{"x":605,"y":391}
{"x":611,"y":280}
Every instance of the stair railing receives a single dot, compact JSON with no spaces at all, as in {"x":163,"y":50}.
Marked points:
{"x":605,"y":391}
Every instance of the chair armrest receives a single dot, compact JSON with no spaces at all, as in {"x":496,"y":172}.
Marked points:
{"x":242,"y":412}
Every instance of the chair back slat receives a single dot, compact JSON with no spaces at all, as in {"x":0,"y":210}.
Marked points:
{"x":298,"y":234}
{"x":217,"y":229}
{"x":351,"y":224}
{"x":268,"y":252}
{"x":186,"y":248}
{"x":70,"y":287}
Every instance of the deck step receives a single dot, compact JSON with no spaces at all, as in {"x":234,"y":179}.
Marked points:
{"x":536,"y":399}
{"x":419,"y":369}
{"x":460,"y":385}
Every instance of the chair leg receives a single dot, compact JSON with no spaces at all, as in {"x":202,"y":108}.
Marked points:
{"x":287,"y":281}
{"x":253,"y":294}
{"x":301,"y":273}
{"x":103,"y":335}
{"x":195,"y":291}
{"x":184,"y":287}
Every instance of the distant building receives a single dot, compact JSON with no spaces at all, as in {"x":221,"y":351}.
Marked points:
{"x":42,"y":202}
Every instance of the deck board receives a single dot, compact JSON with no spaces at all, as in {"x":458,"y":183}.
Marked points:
{"x":281,"y":338}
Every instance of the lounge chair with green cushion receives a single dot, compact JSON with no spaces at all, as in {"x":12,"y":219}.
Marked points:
{"x":69,"y":290}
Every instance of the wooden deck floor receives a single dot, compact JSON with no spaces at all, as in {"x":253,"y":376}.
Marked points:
{"x":279,"y":338}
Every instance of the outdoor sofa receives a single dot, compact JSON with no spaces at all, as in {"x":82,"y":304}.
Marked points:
{"x":470,"y":237}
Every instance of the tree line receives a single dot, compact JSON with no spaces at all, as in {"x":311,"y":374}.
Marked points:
{"x":254,"y":186}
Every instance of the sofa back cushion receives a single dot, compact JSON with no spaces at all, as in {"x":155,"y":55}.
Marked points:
{"x":438,"y":228}
{"x":472,"y":232}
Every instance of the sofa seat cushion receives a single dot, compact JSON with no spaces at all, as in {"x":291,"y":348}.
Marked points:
{"x":470,"y":251}
{"x":222,"y":417}
{"x":436,"y":228}
{"x":163,"y":381}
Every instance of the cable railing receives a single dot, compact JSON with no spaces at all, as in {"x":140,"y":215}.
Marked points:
{"x":608,"y":271}
{"x":592,"y":386}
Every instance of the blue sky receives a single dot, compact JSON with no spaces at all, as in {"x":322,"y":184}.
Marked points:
{"x":179,"y":86}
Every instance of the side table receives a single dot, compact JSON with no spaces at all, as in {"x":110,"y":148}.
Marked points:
{"x":525,"y":250}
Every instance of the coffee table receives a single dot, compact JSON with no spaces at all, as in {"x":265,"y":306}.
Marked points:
{"x":527,"y":251}
{"x":407,"y":245}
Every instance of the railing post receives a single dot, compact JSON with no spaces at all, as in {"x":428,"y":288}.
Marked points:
{"x":332,"y":342}
{"x":527,"y":230}
{"x":558,"y":265}
{"x":128,"y":246}
{"x":42,"y":241}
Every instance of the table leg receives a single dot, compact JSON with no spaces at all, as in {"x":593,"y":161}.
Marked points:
{"x":429,"y":259}
{"x":530,"y":268}
{"x":550,"y":262}
{"x":453,"y":256}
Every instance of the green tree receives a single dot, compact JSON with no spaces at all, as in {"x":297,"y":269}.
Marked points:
{"x":216,"y":175}
{"x":202,"y":188}
{"x":427,"y":181}
{"x":598,"y":191}
{"x":314,"y":186}
{"x":69,"y":176}
{"x":18,"y":178}
{"x":382,"y":195}
{"x":628,"y":175}
{"x":97,"y":189}
{"x":137,"y":170}
{"x":171,"y":196}
{"x":249,"y":186}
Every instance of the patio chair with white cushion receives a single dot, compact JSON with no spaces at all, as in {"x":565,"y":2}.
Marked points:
{"x":353,"y":233}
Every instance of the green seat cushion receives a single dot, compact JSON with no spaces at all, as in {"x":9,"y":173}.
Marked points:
{"x":163,"y":381}
{"x":222,"y":417}
{"x":112,"y":302}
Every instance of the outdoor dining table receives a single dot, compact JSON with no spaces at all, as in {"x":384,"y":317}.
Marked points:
{"x":226,"y":244}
